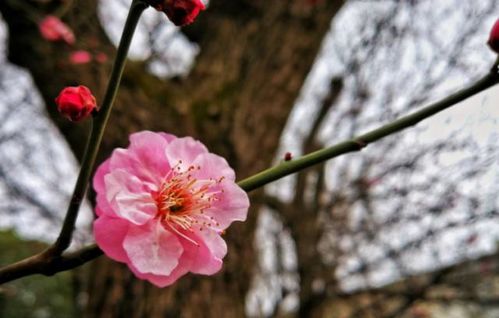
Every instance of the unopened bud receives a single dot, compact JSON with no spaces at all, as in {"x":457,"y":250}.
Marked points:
{"x":53,"y":29}
{"x":494,"y":37}
{"x":76,"y":102}
{"x":180,"y":12}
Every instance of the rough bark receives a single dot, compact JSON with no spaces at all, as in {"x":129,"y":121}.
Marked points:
{"x":254,"y":58}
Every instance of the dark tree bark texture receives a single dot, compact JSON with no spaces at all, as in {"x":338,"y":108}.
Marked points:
{"x":254,"y":58}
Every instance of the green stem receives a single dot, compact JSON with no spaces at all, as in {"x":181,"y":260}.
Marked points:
{"x":98,"y":127}
{"x":359,"y":142}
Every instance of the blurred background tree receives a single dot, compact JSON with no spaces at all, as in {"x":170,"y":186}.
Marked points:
{"x":256,"y":79}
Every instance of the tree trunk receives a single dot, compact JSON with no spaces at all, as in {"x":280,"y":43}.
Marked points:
{"x":254,"y":58}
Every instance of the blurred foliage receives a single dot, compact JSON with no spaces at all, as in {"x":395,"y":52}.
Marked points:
{"x":34,"y":296}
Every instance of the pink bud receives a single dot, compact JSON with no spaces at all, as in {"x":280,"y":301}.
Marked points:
{"x":53,"y":29}
{"x":76,"y":102}
{"x":180,"y":12}
{"x":80,"y":57}
{"x":494,"y":37}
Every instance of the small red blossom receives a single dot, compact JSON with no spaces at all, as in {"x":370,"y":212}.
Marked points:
{"x":288,"y":156}
{"x":180,"y":12}
{"x":76,"y":102}
{"x":494,"y":37}
{"x":53,"y":29}
{"x":80,"y":57}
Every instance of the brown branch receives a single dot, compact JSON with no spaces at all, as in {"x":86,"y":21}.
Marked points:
{"x":47,"y":264}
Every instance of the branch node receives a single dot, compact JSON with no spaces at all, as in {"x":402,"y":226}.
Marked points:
{"x":360,"y":143}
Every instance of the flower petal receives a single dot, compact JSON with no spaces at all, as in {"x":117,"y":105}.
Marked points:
{"x":207,"y":257}
{"x":102,"y":206}
{"x":149,"y":148}
{"x":213,"y":167}
{"x":160,"y":280}
{"x":168,"y":137}
{"x":144,"y":158}
{"x":109,"y":234}
{"x":232,"y":205}
{"x":125,"y":159}
{"x":98,"y":181}
{"x":129,"y":197}
{"x":184,"y":150}
{"x":152,"y":249}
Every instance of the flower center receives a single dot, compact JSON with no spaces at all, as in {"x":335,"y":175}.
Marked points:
{"x":183,"y":199}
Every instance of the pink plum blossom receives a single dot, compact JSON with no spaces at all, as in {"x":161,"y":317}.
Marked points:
{"x":162,"y":205}
{"x":53,"y":29}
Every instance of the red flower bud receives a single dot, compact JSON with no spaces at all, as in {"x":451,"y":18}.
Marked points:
{"x":53,"y":29}
{"x":288,"y":156}
{"x":494,"y":37}
{"x":75,"y":102}
{"x":180,"y":12}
